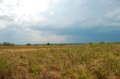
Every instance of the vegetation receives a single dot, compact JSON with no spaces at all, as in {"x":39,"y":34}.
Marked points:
{"x":89,"y":61}
{"x":28,"y":44}
{"x":7,"y":44}
{"x":48,"y":43}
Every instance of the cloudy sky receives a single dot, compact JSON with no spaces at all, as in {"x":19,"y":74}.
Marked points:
{"x":59,"y":21}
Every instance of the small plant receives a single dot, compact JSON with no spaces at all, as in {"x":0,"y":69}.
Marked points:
{"x":35,"y":69}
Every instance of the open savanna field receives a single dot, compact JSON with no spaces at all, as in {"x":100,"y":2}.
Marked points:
{"x":87,"y":61}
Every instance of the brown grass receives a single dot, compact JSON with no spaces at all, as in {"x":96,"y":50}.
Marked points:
{"x":97,"y":61}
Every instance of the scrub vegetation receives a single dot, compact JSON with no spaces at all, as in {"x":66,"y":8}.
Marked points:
{"x":85,"y":61}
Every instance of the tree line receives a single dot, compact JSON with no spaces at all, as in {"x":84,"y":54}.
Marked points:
{"x":7,"y":44}
{"x":29,"y":44}
{"x":13,"y":44}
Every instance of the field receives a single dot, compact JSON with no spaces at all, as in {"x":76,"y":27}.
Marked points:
{"x":90,"y":61}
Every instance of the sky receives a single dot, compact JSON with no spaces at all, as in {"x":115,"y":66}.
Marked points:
{"x":59,"y":21}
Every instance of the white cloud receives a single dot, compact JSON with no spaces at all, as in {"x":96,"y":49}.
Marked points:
{"x":114,"y":13}
{"x":25,"y":13}
{"x":3,"y":24}
{"x":26,"y":10}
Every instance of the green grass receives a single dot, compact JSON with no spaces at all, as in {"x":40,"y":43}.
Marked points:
{"x":92,"y":61}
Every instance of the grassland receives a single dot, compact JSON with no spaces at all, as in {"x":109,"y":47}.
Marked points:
{"x":92,"y":61}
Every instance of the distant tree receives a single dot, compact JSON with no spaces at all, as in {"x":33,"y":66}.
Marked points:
{"x":28,"y":44}
{"x":7,"y":44}
{"x":102,"y":42}
{"x":117,"y":42}
{"x":90,"y":43}
{"x":48,"y":43}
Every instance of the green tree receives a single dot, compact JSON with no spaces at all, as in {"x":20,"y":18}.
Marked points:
{"x":28,"y":44}
{"x":48,"y":43}
{"x":7,"y":44}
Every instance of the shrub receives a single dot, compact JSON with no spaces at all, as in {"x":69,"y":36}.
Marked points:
{"x":48,"y":43}
{"x":28,"y":44}
{"x":102,"y":42}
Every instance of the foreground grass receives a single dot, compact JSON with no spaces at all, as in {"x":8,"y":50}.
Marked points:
{"x":97,"y":61}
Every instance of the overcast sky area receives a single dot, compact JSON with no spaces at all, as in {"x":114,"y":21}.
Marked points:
{"x":59,"y":21}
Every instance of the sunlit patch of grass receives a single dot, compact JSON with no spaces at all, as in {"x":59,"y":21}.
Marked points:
{"x":6,"y":68}
{"x":35,"y":69}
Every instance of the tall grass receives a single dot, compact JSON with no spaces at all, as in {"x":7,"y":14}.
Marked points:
{"x":93,"y":61}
